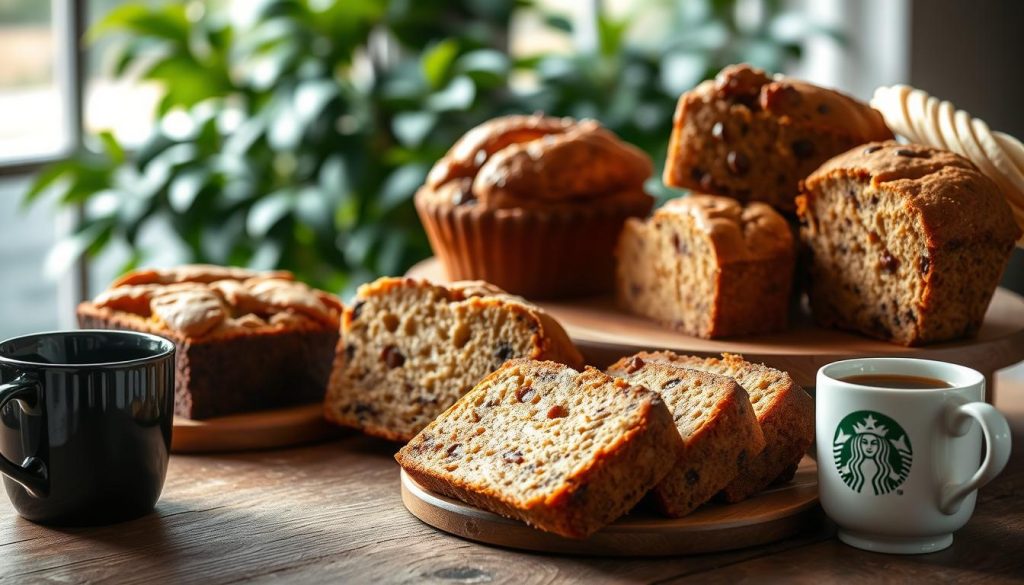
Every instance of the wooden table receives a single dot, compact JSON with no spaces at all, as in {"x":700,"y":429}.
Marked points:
{"x":332,"y":513}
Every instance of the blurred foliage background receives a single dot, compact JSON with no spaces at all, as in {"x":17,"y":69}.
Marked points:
{"x":293,"y":133}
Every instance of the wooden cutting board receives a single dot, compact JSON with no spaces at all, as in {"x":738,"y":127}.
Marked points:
{"x":604,"y":333}
{"x":247,"y":431}
{"x":769,"y":516}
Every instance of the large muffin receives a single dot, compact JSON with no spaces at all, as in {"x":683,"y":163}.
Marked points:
{"x":534,"y":204}
{"x":908,"y":242}
{"x":754,"y":137}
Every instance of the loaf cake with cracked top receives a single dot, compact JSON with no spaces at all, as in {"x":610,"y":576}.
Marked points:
{"x":534,"y":204}
{"x":908,"y":242}
{"x":564,"y":451}
{"x":410,"y":349}
{"x":708,"y":266}
{"x":245,"y":340}
{"x":715,"y":420}
{"x":784,"y":410}
{"x":754,"y":137}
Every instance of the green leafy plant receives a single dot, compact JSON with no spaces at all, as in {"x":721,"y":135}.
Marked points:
{"x":294,"y":136}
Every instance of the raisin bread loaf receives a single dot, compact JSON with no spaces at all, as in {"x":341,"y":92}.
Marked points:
{"x":410,"y":349}
{"x":713,"y":416}
{"x":755,"y":137}
{"x":564,"y":451}
{"x":908,"y":242}
{"x":708,"y":266}
{"x":245,"y":340}
{"x":784,"y":410}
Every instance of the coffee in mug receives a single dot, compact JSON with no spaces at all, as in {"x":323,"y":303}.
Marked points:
{"x":85,"y":424}
{"x":899,"y":445}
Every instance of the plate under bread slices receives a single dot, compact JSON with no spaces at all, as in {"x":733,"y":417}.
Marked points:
{"x":773,"y":514}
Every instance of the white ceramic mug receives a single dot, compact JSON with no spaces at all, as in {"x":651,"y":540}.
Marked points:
{"x":899,"y":469}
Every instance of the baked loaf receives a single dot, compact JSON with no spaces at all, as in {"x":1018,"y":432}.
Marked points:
{"x":534,"y":204}
{"x":245,"y":340}
{"x":708,"y":266}
{"x":908,"y":242}
{"x":564,"y":451}
{"x":755,"y":137}
{"x":410,"y":349}
{"x":713,"y":416}
{"x":784,"y":410}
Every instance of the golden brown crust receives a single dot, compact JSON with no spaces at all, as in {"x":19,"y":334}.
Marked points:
{"x":739,"y":233}
{"x":201,"y":302}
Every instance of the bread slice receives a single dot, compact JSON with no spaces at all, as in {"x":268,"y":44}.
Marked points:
{"x":564,"y":451}
{"x":708,"y":266}
{"x":716,"y":422}
{"x":409,"y":349}
{"x":784,"y":410}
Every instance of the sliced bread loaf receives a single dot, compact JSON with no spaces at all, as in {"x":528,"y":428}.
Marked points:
{"x":409,"y":349}
{"x":562,"y":450}
{"x":716,"y":422}
{"x":785,"y":411}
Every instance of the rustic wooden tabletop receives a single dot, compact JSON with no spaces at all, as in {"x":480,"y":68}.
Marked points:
{"x":332,"y":513}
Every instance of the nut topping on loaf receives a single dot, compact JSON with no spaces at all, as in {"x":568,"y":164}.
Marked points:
{"x":410,"y":349}
{"x":908,"y":242}
{"x":708,"y":266}
{"x":716,"y":421}
{"x":564,"y":451}
{"x":754,"y":137}
{"x":784,"y":410}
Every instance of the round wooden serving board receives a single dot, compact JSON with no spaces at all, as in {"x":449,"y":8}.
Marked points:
{"x":604,"y":333}
{"x":264,"y":429}
{"x":772,"y":515}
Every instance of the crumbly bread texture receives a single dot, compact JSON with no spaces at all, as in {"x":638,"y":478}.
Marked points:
{"x":534,"y":204}
{"x":708,"y":266}
{"x":410,"y":349}
{"x":716,"y":421}
{"x":245,"y":340}
{"x":755,"y":137}
{"x":784,"y":410}
{"x":562,"y":450}
{"x":907,"y":242}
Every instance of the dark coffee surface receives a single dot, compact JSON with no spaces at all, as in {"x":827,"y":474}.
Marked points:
{"x":897,"y":381}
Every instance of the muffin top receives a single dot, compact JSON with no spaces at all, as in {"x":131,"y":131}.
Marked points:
{"x":537,"y":161}
{"x":794,"y":102}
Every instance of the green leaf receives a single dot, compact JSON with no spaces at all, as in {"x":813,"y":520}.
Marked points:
{"x":412,"y":127}
{"x":267,"y":212}
{"x":168,"y":22}
{"x":558,"y":22}
{"x":111,"y":146}
{"x":437,"y":61}
{"x":68,"y":250}
{"x":46,"y":179}
{"x":184,"y":189}
{"x":458,"y":95}
{"x":401,"y":185}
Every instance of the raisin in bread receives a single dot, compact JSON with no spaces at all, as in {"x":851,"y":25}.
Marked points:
{"x":784,"y":410}
{"x":755,"y":137}
{"x":285,"y":330}
{"x":562,"y":450}
{"x":907,"y":242}
{"x":708,"y":266}
{"x":713,"y":416}
{"x":410,"y":349}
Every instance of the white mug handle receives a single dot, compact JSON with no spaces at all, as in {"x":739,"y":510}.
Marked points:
{"x":997,"y":450}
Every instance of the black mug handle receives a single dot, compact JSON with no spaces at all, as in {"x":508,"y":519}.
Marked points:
{"x":32,"y":472}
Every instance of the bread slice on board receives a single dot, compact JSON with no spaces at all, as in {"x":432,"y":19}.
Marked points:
{"x":564,"y":451}
{"x":785,"y":411}
{"x":716,"y":422}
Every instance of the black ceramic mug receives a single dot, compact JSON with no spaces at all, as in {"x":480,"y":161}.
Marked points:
{"x":85,"y":424}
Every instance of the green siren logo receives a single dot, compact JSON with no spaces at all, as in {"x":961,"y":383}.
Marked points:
{"x":871,"y":448}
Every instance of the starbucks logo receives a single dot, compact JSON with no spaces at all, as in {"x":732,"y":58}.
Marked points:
{"x":871,"y":448}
